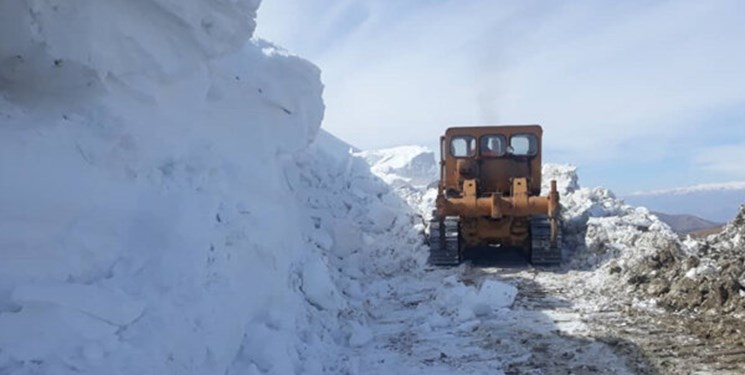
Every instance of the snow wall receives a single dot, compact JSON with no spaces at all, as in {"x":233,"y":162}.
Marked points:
{"x":168,"y":205}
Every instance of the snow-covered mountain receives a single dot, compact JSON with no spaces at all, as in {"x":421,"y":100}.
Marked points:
{"x":715,"y":202}
{"x":414,"y":165}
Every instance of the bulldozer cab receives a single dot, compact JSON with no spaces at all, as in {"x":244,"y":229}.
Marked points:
{"x":493,"y":155}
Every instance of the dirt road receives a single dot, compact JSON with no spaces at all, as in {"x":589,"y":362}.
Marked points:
{"x":556,"y":325}
{"x":648,"y":340}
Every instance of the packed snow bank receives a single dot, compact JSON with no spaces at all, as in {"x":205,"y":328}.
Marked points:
{"x":598,"y":227}
{"x":147,"y":223}
{"x":635,"y":252}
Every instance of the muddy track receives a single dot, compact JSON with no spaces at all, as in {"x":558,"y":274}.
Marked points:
{"x":651,"y":341}
{"x":671,"y":342}
{"x":558,"y":324}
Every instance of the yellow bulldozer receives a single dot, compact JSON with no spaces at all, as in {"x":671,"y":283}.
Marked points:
{"x":489,"y":196}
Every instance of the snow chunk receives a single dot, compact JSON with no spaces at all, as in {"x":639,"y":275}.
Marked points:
{"x":701,"y":271}
{"x":567,"y":180}
{"x":360,"y":335}
{"x":318,"y":287}
{"x":468,"y":302}
{"x":491,"y":295}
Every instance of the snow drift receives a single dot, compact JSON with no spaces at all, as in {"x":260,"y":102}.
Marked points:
{"x":598,"y":227}
{"x":631,"y":250}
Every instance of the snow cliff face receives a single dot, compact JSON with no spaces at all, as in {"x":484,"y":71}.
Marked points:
{"x":91,"y":41}
{"x":147,"y":222}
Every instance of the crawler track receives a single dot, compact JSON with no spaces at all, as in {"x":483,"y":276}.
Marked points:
{"x":444,"y":242}
{"x":541,"y":251}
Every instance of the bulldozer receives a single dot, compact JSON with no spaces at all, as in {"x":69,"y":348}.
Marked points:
{"x":489,"y":196}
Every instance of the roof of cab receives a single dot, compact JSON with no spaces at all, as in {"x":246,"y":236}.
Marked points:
{"x":489,"y":129}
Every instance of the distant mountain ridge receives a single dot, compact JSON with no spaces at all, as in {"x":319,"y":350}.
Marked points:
{"x":685,"y":224}
{"x":714,"y":202}
{"x":735,"y":185}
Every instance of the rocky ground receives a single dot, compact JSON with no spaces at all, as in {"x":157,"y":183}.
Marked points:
{"x":650,"y":340}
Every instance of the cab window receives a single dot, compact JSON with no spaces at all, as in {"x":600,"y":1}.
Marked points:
{"x":524,"y":145}
{"x":493,"y":145}
{"x":462,"y":146}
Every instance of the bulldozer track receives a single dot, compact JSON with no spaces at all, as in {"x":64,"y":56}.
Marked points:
{"x":541,"y":251}
{"x":444,"y":241}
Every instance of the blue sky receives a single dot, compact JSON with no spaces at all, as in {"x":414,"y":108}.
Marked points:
{"x":639,"y":94}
